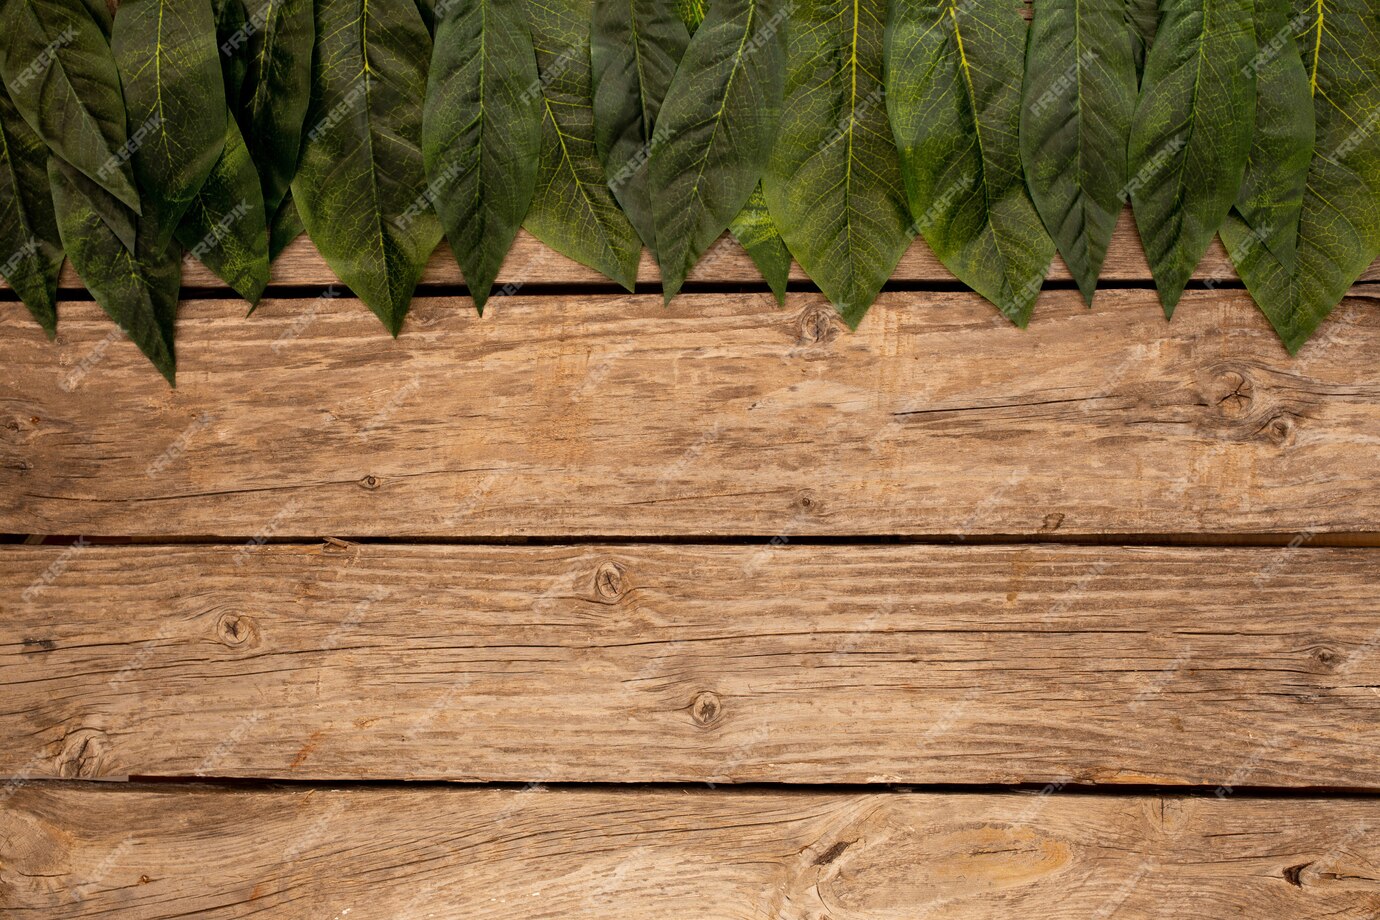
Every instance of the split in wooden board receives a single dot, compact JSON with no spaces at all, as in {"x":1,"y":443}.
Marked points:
{"x":801,"y":664}
{"x":533,"y":262}
{"x":722,"y":415}
{"x":497,"y":854}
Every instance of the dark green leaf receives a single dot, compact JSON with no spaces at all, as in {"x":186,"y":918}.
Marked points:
{"x":166,"y":54}
{"x":137,"y":290}
{"x":481,"y":132}
{"x":834,"y":182}
{"x":276,"y":90}
{"x":635,"y":47}
{"x":1338,"y":234}
{"x":1079,"y":93}
{"x":232,"y":28}
{"x":754,"y":229}
{"x":1270,"y":201}
{"x":573,"y":210}
{"x":715,"y":130}
{"x":286,"y":227}
{"x":1191,"y":134}
{"x":428,"y":10}
{"x":225,"y":228}
{"x":30,"y":249}
{"x":117,"y":216}
{"x":954,"y":94}
{"x":1141,"y":17}
{"x":361,"y":184}
{"x":59,"y":70}
{"x":102,"y":13}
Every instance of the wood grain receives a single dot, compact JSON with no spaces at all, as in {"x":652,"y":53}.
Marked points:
{"x":388,"y":854}
{"x":724,"y":414}
{"x":803,"y":664}
{"x":532,"y":262}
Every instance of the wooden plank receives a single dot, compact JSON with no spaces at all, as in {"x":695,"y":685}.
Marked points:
{"x":615,"y":415}
{"x":532,"y":262}
{"x":155,"y":852}
{"x":803,"y":664}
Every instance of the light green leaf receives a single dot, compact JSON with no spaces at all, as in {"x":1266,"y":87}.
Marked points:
{"x":754,"y":229}
{"x":573,"y":210}
{"x":276,"y":89}
{"x":1338,"y":234}
{"x":166,"y":54}
{"x":481,"y":132}
{"x":1191,"y":134}
{"x":30,"y":248}
{"x":225,"y":228}
{"x":954,"y":95}
{"x":635,"y":48}
{"x":137,"y":290}
{"x":59,"y":70}
{"x":361,"y":183}
{"x":716,"y":129}
{"x":834,"y":182}
{"x":1079,"y":93}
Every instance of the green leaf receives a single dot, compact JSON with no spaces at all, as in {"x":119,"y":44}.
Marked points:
{"x":1270,"y":201}
{"x":226,"y":228}
{"x":834,"y":182}
{"x":1141,"y":17}
{"x":954,"y":95}
{"x":716,"y":129}
{"x":137,"y":290}
{"x":232,"y":28}
{"x":755,"y":230}
{"x":30,"y":248}
{"x":1338,"y":234}
{"x":102,"y":13}
{"x":427,"y":8}
{"x":635,"y":47}
{"x":117,"y":216}
{"x":1191,"y":134}
{"x":1079,"y":94}
{"x":573,"y":210}
{"x":286,"y":227}
{"x":481,"y":132}
{"x":361,"y":183}
{"x":59,"y":70}
{"x":276,"y":90}
{"x":166,"y":54}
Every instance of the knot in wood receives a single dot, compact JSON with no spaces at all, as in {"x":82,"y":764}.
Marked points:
{"x":609,"y":581}
{"x":1233,"y":393}
{"x":1279,"y":430}
{"x":705,"y":708}
{"x":370,"y":482}
{"x":817,"y":324}
{"x":236,"y":629}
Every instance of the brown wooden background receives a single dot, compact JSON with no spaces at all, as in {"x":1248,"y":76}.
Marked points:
{"x":708,"y":611}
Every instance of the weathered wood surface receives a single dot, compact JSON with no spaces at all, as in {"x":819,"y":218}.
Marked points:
{"x":807,"y":664}
{"x":724,"y":414}
{"x":532,"y":262}
{"x":386,"y":854}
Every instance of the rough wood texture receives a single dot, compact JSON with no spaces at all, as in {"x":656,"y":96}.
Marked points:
{"x":680,"y":663}
{"x":383,"y":854}
{"x":532,"y":262}
{"x":613,"y":415}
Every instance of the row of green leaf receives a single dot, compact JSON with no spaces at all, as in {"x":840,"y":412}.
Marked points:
{"x":825,"y":131}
